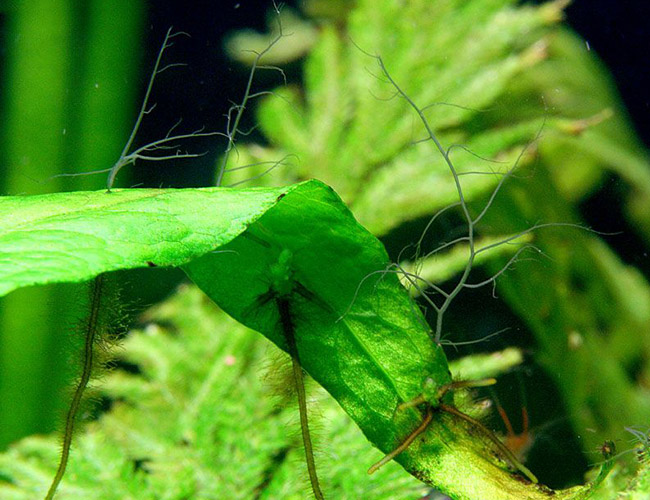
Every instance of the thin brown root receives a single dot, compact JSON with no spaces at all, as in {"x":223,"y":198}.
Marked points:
{"x":287,"y":326}
{"x":407,"y":442}
{"x":304,"y":426}
{"x":462,"y":384}
{"x":412,"y":403}
{"x":91,"y":332}
{"x":490,"y":435}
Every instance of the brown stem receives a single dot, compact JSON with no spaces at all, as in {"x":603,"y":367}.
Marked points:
{"x":92,"y":326}
{"x":287,"y":326}
{"x":490,"y":435}
{"x":407,"y":442}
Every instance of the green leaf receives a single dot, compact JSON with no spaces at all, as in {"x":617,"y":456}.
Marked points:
{"x":357,"y":330}
{"x":361,"y":332}
{"x":70,"y":237}
{"x":358,"y":335}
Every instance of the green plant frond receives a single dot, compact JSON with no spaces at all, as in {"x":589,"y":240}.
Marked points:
{"x":243,"y":46}
{"x":482,"y":366}
{"x":491,"y":75}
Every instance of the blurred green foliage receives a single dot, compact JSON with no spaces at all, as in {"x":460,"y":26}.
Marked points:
{"x":202,"y":420}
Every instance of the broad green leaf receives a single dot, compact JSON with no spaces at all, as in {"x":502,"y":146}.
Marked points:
{"x":361,"y":337}
{"x":358,"y":335}
{"x":68,"y":237}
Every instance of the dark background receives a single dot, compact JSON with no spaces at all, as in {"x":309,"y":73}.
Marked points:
{"x":618,"y":31}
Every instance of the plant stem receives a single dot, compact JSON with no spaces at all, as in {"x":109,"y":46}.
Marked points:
{"x":92,"y":326}
{"x":287,"y":326}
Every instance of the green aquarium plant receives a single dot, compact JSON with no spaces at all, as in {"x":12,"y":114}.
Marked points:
{"x":362,"y":339}
{"x":507,"y":85}
{"x":402,"y":131}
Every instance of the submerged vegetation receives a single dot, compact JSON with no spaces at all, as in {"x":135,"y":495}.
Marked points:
{"x":466,"y":144}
